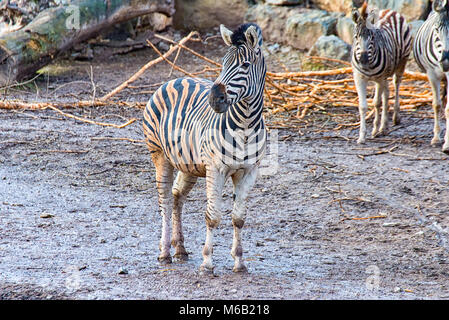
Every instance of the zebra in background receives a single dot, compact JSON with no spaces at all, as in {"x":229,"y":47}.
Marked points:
{"x":431,"y":51}
{"x":213,"y":130}
{"x":381,"y":46}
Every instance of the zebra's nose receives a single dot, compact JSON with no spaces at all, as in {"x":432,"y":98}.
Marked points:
{"x":364,"y":58}
{"x":445,"y":61}
{"x":218,"y":98}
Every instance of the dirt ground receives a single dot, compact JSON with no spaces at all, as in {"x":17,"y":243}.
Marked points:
{"x":79,"y":217}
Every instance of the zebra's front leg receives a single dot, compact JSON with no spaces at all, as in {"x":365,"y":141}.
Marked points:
{"x":214,"y":185}
{"x":363,"y":106}
{"x":446,"y":113}
{"x":435,"y":82}
{"x":243,"y":182}
{"x":164,"y":182}
{"x":183,"y":184}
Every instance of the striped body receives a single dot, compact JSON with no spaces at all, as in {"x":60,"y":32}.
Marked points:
{"x":389,"y":47}
{"x":381,"y":46}
{"x":214,"y":130}
{"x":431,"y":52}
{"x":428,"y":46}
{"x":179,"y":121}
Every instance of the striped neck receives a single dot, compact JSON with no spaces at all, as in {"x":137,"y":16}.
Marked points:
{"x":247,"y":113}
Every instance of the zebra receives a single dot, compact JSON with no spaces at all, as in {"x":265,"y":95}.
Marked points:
{"x":214,"y":130}
{"x":381,"y":46}
{"x":431,"y":51}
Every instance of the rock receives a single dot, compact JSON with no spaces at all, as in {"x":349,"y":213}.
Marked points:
{"x":415,"y":25}
{"x":122,"y":271}
{"x":159,"y":21}
{"x":331,"y":47}
{"x":205,"y":14}
{"x":411,"y":9}
{"x":304,"y":29}
{"x":345,"y":29}
{"x":344,"y":6}
{"x":284,"y":2}
{"x":271,"y":20}
{"x":46,"y":215}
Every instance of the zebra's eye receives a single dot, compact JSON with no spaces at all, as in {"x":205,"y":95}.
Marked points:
{"x":246,"y":66}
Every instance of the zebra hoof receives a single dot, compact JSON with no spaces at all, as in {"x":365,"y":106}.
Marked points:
{"x":164,"y":259}
{"x":240,"y":269}
{"x":396,"y":120}
{"x":446,"y":149}
{"x":181,"y":257}
{"x":382,"y":132}
{"x":435,"y":142}
{"x":206,"y":270}
{"x":361,"y":141}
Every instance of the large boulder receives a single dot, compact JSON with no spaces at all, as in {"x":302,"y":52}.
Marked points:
{"x":411,"y":9}
{"x":415,"y":25}
{"x":331,"y":47}
{"x":344,"y":6}
{"x":283,"y":2}
{"x":345,"y":29}
{"x":272,"y":20}
{"x":205,"y":14}
{"x":303,"y":29}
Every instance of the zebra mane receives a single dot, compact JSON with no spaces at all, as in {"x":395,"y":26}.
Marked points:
{"x":442,"y":19}
{"x":238,"y":36}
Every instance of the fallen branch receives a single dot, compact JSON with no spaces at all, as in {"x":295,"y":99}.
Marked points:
{"x":91,"y":121}
{"x":139,"y":73}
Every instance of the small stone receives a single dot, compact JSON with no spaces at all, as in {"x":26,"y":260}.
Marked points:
{"x":122,"y":271}
{"x":46,"y":215}
{"x":397,"y":290}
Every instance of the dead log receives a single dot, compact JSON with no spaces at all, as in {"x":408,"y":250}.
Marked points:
{"x":56,"y":30}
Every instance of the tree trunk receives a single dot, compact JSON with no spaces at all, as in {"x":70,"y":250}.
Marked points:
{"x":55,"y":30}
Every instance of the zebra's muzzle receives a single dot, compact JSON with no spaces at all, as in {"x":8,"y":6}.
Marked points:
{"x":364,"y":58}
{"x":218,"y":99}
{"x":445,"y":61}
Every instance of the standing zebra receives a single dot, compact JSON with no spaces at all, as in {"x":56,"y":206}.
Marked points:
{"x":213,"y":130}
{"x":381,"y":46}
{"x":431,"y":51}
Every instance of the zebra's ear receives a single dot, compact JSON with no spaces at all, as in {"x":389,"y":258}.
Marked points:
{"x":226,"y":34}
{"x":439,"y":5}
{"x":355,"y":15}
{"x":251,"y":36}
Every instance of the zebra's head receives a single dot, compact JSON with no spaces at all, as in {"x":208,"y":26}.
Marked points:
{"x":243,"y":73}
{"x":441,"y":32}
{"x":364,"y":34}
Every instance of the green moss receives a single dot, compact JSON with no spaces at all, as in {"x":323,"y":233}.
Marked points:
{"x":313,"y":65}
{"x":55,"y":69}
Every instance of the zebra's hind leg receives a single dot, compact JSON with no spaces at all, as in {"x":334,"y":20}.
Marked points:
{"x":435,"y":82}
{"x":214,"y":185}
{"x":377,"y":104}
{"x":243,"y":181}
{"x":446,"y":112}
{"x":383,"y":130}
{"x":397,"y":78}
{"x":183,"y":184}
{"x":164,"y":182}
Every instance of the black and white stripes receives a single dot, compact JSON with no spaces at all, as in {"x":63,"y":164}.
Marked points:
{"x":431,"y":51}
{"x":213,"y":130}
{"x":381,"y":46}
